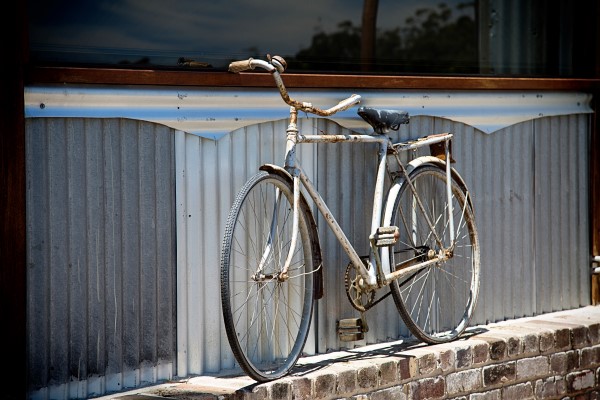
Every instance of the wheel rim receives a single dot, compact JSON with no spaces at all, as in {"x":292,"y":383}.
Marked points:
{"x":437,"y":302}
{"x":266,"y":317}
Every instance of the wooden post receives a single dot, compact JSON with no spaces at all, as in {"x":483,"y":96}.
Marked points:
{"x":13,"y":48}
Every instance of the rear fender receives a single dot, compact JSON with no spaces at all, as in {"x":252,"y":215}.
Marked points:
{"x":417,"y":162}
{"x":390,"y":203}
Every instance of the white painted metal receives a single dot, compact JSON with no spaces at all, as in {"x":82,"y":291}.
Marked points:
{"x":214,"y":112}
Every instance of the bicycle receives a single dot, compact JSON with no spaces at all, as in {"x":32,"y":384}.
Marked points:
{"x":423,"y":243}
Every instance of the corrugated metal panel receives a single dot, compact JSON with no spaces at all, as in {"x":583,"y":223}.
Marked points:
{"x":90,"y":203}
{"x":209,"y":174}
{"x":561,"y":212}
{"x":502,"y":171}
{"x":100,"y":256}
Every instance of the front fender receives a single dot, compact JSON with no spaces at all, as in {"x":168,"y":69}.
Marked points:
{"x":315,"y":245}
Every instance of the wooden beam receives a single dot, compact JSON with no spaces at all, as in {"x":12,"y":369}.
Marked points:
{"x":62,"y":75}
{"x":594,"y":197}
{"x":12,"y":203}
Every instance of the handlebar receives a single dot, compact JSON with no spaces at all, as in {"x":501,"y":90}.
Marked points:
{"x":276,"y":65}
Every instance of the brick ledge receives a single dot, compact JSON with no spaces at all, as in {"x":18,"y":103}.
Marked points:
{"x":551,"y":356}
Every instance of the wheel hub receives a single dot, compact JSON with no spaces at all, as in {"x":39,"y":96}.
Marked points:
{"x":260,"y":277}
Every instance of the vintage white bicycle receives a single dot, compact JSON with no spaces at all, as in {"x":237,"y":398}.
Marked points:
{"x":423,"y":244}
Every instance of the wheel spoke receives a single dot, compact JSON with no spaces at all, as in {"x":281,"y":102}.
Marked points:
{"x":266,"y":317}
{"x":437,"y":302}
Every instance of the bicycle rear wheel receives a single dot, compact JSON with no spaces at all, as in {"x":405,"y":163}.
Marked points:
{"x":267,"y":317}
{"x":436,"y":302}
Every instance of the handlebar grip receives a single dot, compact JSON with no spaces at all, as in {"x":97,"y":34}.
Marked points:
{"x":240,"y":66}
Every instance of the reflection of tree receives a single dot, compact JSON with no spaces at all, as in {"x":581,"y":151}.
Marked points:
{"x":432,"y":40}
{"x":329,"y":51}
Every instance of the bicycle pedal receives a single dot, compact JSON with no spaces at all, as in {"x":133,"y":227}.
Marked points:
{"x":385,"y":236}
{"x":351,"y":329}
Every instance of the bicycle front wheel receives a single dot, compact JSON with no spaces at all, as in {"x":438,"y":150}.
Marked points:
{"x":436,"y":302}
{"x":267,"y":314}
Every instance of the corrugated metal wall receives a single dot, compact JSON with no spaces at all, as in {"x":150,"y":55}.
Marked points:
{"x":209,"y":174}
{"x":529,"y":184}
{"x":561,"y":213}
{"x":111,"y":237}
{"x":100,"y":256}
{"x":530,"y":190}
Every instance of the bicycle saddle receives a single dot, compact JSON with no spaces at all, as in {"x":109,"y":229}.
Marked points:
{"x":383,"y":120}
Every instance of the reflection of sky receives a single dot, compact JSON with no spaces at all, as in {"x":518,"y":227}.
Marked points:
{"x":200,"y":29}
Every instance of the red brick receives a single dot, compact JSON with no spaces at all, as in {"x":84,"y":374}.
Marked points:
{"x":447,"y":360}
{"x":550,"y":388}
{"x":388,"y":372}
{"x":481,"y":352}
{"x":522,"y":391}
{"x":580,"y":380}
{"x":491,"y":395}
{"x":463,"y":382}
{"x":590,"y":357}
{"x":534,"y":367}
{"x":427,"y":364}
{"x":366,"y":377}
{"x":302,"y":389}
{"x":561,"y":363}
{"x":499,"y":374}
{"x":464,"y":357}
{"x":404,"y":371}
{"x":324,"y":385}
{"x":281,"y":390}
{"x":393,"y":393}
{"x":346,"y":381}
{"x":429,"y":388}
{"x":579,"y":337}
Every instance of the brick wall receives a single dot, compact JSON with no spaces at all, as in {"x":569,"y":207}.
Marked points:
{"x":553,"y":356}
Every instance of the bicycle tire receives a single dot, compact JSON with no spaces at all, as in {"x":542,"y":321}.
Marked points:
{"x":267,"y":320}
{"x":437,"y":302}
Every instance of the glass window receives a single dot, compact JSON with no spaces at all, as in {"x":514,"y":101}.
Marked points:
{"x":489,"y":37}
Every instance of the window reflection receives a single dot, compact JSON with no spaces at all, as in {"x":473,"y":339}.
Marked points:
{"x":491,"y":37}
{"x":437,"y":39}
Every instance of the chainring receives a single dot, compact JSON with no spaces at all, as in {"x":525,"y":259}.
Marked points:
{"x":359,"y":299}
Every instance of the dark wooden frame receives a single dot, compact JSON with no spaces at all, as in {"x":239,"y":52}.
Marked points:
{"x":252,"y":79}
{"x":13,"y":277}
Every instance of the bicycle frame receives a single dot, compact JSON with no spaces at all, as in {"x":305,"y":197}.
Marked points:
{"x":374,"y":276}
{"x":267,"y":311}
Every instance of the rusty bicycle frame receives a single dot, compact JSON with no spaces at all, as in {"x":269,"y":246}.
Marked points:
{"x":378,"y":273}
{"x":429,"y":268}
